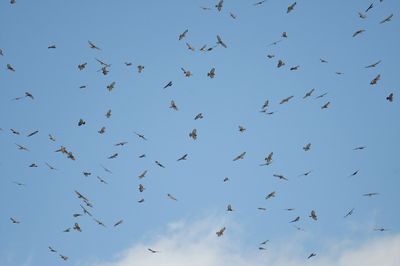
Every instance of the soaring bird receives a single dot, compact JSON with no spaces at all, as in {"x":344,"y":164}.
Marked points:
{"x":153,"y":251}
{"x":374,"y":64}
{"x":101,"y":180}
{"x":220,"y":5}
{"x":268,"y":159}
{"x":211,"y":73}
{"x":65,"y":258}
{"x":190,"y":47}
{"x":295,"y":219}
{"x":14,"y":221}
{"x":358,"y":32}
{"x":242,"y":129}
{"x":14,"y":131}
{"x":375,"y":80}
{"x":286,"y":100}
{"x":387,"y":19}
{"x":198,"y":116}
{"x":173,"y":105}
{"x":308,"y":94}
{"x":291,"y":7}
{"x":311,"y":255}
{"x":111,"y":86}
{"x":81,"y":122}
{"x":370,"y":194}
{"x":140,"y":68}
{"x":121,"y":143}
{"x":326,"y":105}
{"x":77,"y":227}
{"x":28,"y":94}
{"x":99,"y":222}
{"x":240,"y":156}
{"x":171,"y":197}
{"x":280,"y":64}
{"x":182,"y":158}
{"x":232,"y":15}
{"x":271,"y":195}
{"x":187,"y":73}
{"x":85,"y":211}
{"x":52,"y":249}
{"x":380,"y":229}
{"x":349,"y":213}
{"x":219,"y":41}
{"x":320,"y":96}
{"x":361,"y":15}
{"x":141,"y":188}
{"x":113,"y":156}
{"x":108,"y":114}
{"x":323,"y":60}
{"x":369,"y":7}
{"x":280,"y":177}
{"x":33,"y":133}
{"x":229,"y":208}
{"x":313,"y":215}
{"x":143,"y":174}
{"x":354,"y":173}
{"x":169,"y":84}
{"x":307,"y":147}
{"x":22,"y":148}
{"x":294,"y":68}
{"x":118,"y":223}
{"x":50,"y":167}
{"x":193,"y":134}
{"x":159,"y":164}
{"x":390,"y":97}
{"x":259,"y":3}
{"x":102,"y":130}
{"x":183,"y":34}
{"x":220,"y":232}
{"x":93,"y":46}
{"x":140,"y":136}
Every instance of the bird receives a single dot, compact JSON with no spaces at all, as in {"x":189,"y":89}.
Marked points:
{"x":87,"y":174}
{"x":99,"y":222}
{"x":387,"y":19}
{"x":10,"y":67}
{"x":111,"y":86}
{"x":291,"y":7}
{"x":232,"y":15}
{"x":93,"y":46}
{"x":306,"y":173}
{"x":286,"y":100}
{"x":242,"y":129}
{"x":77,"y":227}
{"x":349,"y":213}
{"x":280,"y":64}
{"x":358,"y":32}
{"x":183,"y":34}
{"x":187,"y":73}
{"x":369,"y":7}
{"x":220,"y":232}
{"x":52,"y":138}
{"x":190,"y":47}
{"x":105,"y":169}
{"x":268,"y":159}
{"x":374,"y":64}
{"x":271,"y":195}
{"x":102,"y":130}
{"x":85,"y":211}
{"x":375,"y":80}
{"x":14,"y":131}
{"x":141,"y":200}
{"x":153,"y":251}
{"x":140,"y":68}
{"x":118,"y":223}
{"x":159,"y":164}
{"x":308,"y":94}
{"x":81,"y":122}
{"x":313,"y":215}
{"x":262,"y":248}
{"x":33,"y":165}
{"x":28,"y":94}
{"x":390,"y":97}
{"x":307,"y":147}
{"x":361,"y":15}
{"x":264,"y":242}
{"x":259,"y":3}
{"x":265,"y":105}
{"x":53,"y":46}
{"x":261,"y":208}
{"x":171,"y":197}
{"x":284,"y":34}
{"x":326,"y":105}
{"x":65,"y":258}
{"x":295,"y":219}
{"x":211,"y":73}
{"x":370,"y":194}
{"x":198,"y":116}
{"x":182,"y":158}
{"x":380,"y":229}
{"x":359,"y":148}
{"x":82,"y":66}
{"x":14,"y":221}
{"x":1,"y":52}
{"x":140,"y":136}
{"x":220,"y":5}
{"x":19,"y":183}
{"x":322,"y":95}
{"x":143,"y":174}
{"x":193,"y":134}
{"x":229,"y":208}
{"x":169,"y":84}
{"x":226,"y":179}
{"x":113,"y":156}
{"x":354,"y":173}
{"x":173,"y":105}
{"x":311,"y":255}
{"x":20,"y":147}
{"x":280,"y":177}
{"x":101,"y":180}
{"x":240,"y":156}
{"x":323,"y":60}
{"x":219,"y":41}
{"x":108,"y":114}
{"x":50,"y":167}
{"x":270,"y":56}
{"x":294,"y":68}
{"x":76,"y":215}
{"x":52,"y":249}
{"x":121,"y":143}
{"x":128,"y":63}
{"x":33,"y":133}
{"x":67,"y":230}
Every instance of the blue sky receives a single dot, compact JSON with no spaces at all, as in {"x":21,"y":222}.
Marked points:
{"x":146,"y":33}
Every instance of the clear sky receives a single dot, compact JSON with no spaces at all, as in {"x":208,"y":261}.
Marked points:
{"x":42,"y":201}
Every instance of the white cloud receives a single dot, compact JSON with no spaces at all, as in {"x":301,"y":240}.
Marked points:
{"x":196,"y":244}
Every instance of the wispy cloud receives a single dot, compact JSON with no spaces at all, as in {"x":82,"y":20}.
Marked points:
{"x":196,"y":244}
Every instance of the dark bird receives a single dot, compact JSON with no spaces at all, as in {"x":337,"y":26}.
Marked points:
{"x":326,"y":105}
{"x":108,"y":114}
{"x":20,"y":147}
{"x":232,"y":15}
{"x":102,"y":130}
{"x":307,"y":147}
{"x":286,"y":100}
{"x":369,"y":8}
{"x":271,"y":195}
{"x":128,"y":64}
{"x":270,"y":56}
{"x":291,"y":7}
{"x":280,"y":177}
{"x":77,"y":227}
{"x":14,"y":221}
{"x":85,"y":211}
{"x":28,"y":94}
{"x":280,"y":64}
{"x":53,"y":46}
{"x":354,"y":173}
{"x":311,"y":255}
{"x":374,"y":64}
{"x":121,"y":143}
{"x":259,"y":3}
{"x":211,"y":73}
{"x":65,"y":258}
{"x":171,"y":197}
{"x":67,"y":230}
{"x":322,"y":95}
{"x":349,"y":213}
{"x":50,"y":167}
{"x":118,"y":223}
{"x":380,"y":229}
{"x":19,"y":184}
{"x":358,"y":32}
{"x":52,"y":138}
{"x":313,"y":215}
{"x":140,"y":136}
{"x":187,"y":73}
{"x":101,"y":180}
{"x":306,"y":173}
{"x":143,"y":174}
{"x":142,"y":156}
{"x":10,"y":67}
{"x":33,"y":133}
{"x":323,"y":60}
{"x":361,"y":15}
{"x":1,"y":52}
{"x":219,"y":41}
{"x":140,"y":68}
{"x":33,"y":165}
{"x":370,"y":194}
{"x":169,"y":84}
{"x":82,"y":66}
{"x":294,"y":68}
{"x":226,"y":179}
{"x":153,"y":251}
{"x":220,"y":232}
{"x":390,"y":97}
{"x":14,"y":131}
{"x":99,"y":222}
{"x":198,"y":116}
{"x":261,"y":208}
{"x":193,"y":134}
{"x":295,"y":219}
{"x":87,"y":174}
{"x":183,"y":34}
{"x":240,"y":156}
{"x":229,"y":208}
{"x":375,"y":80}
{"x":141,"y":200}
{"x":105,"y":169}
{"x":111,"y":86}
{"x":387,"y":19}
{"x":173,"y":105}
{"x":159,"y":164}
{"x":81,"y":122}
{"x":359,"y":148}
{"x":262,"y":248}
{"x":52,"y":250}
{"x":93,"y":46}
{"x":190,"y":47}
{"x":242,"y":129}
{"x":184,"y":157}
{"x":220,"y":5}
{"x":308,"y":94}
{"x":113,"y":156}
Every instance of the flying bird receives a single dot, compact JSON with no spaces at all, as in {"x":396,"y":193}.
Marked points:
{"x":52,"y":249}
{"x":219,"y":41}
{"x":375,"y":80}
{"x":313,"y":215}
{"x":390,"y":97}
{"x":190,"y":47}
{"x":308,"y":94}
{"x":370,"y":194}
{"x":374,"y":64}
{"x":65,"y":258}
{"x":140,"y":68}
{"x":387,"y":19}
{"x":121,"y":143}
{"x":102,"y":130}
{"x":232,"y":15}
{"x":286,"y":100}
{"x":198,"y":116}
{"x":113,"y":156}
{"x":77,"y":227}
{"x":271,"y":195}
{"x":171,"y":197}
{"x":169,"y":84}
{"x":326,"y":105}
{"x":140,"y":136}
{"x":111,"y":86}
{"x":358,"y":32}
{"x":173,"y":105}
{"x":101,"y":180}
{"x":118,"y":223}
{"x":240,"y":156}
{"x":187,"y":73}
{"x":311,"y":255}
{"x":184,"y":157}
{"x":259,"y":3}
{"x":142,"y":175}
{"x":81,"y":122}
{"x":220,"y":232}
{"x":361,"y":15}
{"x":183,"y":34}
{"x":280,"y":64}
{"x":10,"y":67}
{"x":295,"y":219}
{"x":22,"y":148}
{"x":211,"y":74}
{"x":93,"y":46}
{"x":14,"y":221}
{"x":349,"y":213}
{"x":280,"y":177}
{"x":193,"y":134}
{"x":369,"y":8}
{"x":242,"y":129}
{"x":159,"y":164}
{"x":229,"y":208}
{"x":28,"y":94}
{"x":291,"y":7}
{"x":153,"y":251}
{"x":220,"y":5}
